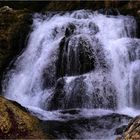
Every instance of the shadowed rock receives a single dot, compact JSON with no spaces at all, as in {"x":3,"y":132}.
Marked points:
{"x":77,"y":56}
{"x":99,"y":126}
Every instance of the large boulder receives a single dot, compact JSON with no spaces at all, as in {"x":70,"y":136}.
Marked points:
{"x":74,"y":57}
{"x":78,"y":56}
{"x":17,"y":123}
{"x":81,"y":127}
{"x":71,"y":97}
{"x":83,"y":91}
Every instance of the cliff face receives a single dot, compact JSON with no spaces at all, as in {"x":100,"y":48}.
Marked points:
{"x":14,"y":28}
{"x":125,"y":7}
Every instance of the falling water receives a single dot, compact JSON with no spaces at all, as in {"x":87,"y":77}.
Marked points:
{"x":78,"y":60}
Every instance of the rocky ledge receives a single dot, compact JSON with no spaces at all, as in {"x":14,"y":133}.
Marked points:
{"x":17,"y":123}
{"x":14,"y":28}
{"x":132,"y":132}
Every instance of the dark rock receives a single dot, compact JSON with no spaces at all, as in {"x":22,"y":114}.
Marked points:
{"x":132,"y":131}
{"x":70,"y":111}
{"x":49,"y":77}
{"x":130,"y":8}
{"x":120,"y":130}
{"x":77,"y":56}
{"x":75,"y":94}
{"x":99,"y":126}
{"x":105,"y":97}
{"x":21,"y":5}
{"x":125,"y":7}
{"x":49,"y":73}
{"x":136,"y":90}
{"x":134,"y":50}
{"x":93,"y":28}
{"x":58,"y":96}
{"x":70,"y":30}
{"x":73,"y":97}
{"x":138,"y":26}
{"x":14,"y":29}
{"x":110,"y":11}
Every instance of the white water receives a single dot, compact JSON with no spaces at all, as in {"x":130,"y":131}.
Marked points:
{"x":24,"y":83}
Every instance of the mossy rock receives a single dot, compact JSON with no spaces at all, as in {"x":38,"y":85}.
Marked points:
{"x":16,"y":122}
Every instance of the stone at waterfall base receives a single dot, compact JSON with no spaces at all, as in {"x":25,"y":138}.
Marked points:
{"x":17,"y":123}
{"x":95,"y":127}
{"x":132,"y":131}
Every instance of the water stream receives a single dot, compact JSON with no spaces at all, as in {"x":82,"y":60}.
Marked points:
{"x":79,"y":65}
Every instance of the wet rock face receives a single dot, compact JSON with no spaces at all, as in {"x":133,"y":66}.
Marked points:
{"x":14,"y":28}
{"x":16,"y":122}
{"x":78,"y":56}
{"x":138,"y":26}
{"x":70,"y":30}
{"x":134,"y":50}
{"x":99,"y":126}
{"x":136,"y":90}
{"x":75,"y":94}
{"x":49,"y":73}
{"x":120,"y":130}
{"x":71,"y":96}
{"x":105,"y":95}
{"x":74,"y":57}
{"x":93,"y":28}
{"x":58,"y":96}
{"x":126,"y":7}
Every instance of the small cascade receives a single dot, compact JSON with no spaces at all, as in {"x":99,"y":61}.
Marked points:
{"x":77,"y":61}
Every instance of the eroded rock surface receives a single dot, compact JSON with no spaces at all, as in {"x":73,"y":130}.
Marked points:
{"x":17,"y":123}
{"x":14,"y":28}
{"x":132,"y":131}
{"x":97,"y":126}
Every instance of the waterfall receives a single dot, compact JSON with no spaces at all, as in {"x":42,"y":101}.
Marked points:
{"x":78,"y":60}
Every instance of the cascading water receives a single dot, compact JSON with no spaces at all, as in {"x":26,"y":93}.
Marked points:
{"x":77,"y":65}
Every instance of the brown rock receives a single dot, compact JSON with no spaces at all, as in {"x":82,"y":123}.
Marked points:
{"x":132,"y":132}
{"x":16,"y":122}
